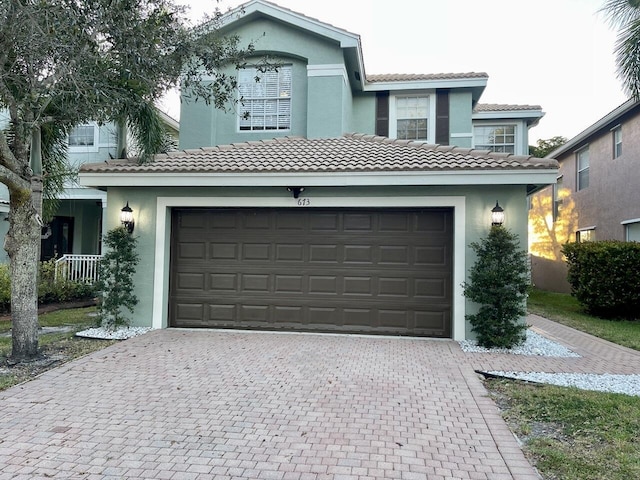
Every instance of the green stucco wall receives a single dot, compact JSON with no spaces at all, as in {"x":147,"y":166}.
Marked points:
{"x":326,"y":111}
{"x":460,"y":127}
{"x":87,"y":215}
{"x":479,"y":201}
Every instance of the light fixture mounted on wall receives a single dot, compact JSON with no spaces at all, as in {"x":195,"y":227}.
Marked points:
{"x":295,"y":191}
{"x":126,"y":218}
{"x":497,"y":215}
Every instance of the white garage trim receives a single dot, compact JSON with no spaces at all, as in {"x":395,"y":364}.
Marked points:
{"x":163,"y":231}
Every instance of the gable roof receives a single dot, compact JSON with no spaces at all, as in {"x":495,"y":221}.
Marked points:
{"x":353,"y":159}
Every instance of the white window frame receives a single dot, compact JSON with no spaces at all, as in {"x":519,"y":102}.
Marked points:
{"x":241,"y":108}
{"x":431,"y":118}
{"x":629,"y":223}
{"x":588,"y":232}
{"x":87,"y":148}
{"x":517,"y":137}
{"x":579,"y":170}
{"x":616,"y":138}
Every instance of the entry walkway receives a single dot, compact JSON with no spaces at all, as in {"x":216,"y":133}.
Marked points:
{"x":182,"y":404}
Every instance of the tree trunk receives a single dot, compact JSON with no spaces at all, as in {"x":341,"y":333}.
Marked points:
{"x":22,"y":245}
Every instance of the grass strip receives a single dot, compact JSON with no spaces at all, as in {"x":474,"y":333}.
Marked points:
{"x":570,"y":433}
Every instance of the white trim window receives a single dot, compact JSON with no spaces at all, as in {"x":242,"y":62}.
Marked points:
{"x":586,"y":234}
{"x":632,"y":230}
{"x":617,"y":141}
{"x":412,"y":117}
{"x":582,"y":169}
{"x":84,"y":138}
{"x":495,"y":138}
{"x":264,"y":99}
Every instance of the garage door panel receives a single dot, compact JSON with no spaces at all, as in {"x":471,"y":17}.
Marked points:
{"x":290,"y":253}
{"x":330,"y":270}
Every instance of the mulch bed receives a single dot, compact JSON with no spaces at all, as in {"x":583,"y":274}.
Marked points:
{"x":52,"y":307}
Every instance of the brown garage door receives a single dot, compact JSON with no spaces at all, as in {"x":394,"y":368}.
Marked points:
{"x":335,"y":270}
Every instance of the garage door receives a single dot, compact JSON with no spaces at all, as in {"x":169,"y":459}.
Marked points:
{"x":332,"y":270}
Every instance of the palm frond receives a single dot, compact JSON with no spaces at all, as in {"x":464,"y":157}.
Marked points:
{"x":57,"y":171}
{"x":147,"y":131}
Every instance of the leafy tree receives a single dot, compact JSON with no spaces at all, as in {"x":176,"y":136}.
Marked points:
{"x":545,"y":147}
{"x":65,"y":62}
{"x":117,"y":268}
{"x":499,"y":282}
{"x":625,"y":16}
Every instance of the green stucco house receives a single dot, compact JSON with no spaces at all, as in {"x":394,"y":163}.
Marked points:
{"x":326,"y":199}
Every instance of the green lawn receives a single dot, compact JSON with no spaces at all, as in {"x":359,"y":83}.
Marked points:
{"x":565,"y":309}
{"x":569,"y":433}
{"x":56,"y":347}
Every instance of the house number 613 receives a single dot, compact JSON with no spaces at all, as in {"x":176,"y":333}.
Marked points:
{"x":304,"y":202}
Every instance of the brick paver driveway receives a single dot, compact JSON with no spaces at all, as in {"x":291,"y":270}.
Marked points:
{"x":179,"y":404}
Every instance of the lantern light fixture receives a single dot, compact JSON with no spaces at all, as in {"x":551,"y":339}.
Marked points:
{"x":497,"y":215}
{"x":126,"y":218}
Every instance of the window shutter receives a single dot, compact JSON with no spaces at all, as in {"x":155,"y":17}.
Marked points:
{"x":382,"y":114}
{"x":442,"y":117}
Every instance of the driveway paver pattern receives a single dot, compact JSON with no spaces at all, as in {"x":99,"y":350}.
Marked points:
{"x":202,"y":404}
{"x":182,"y":404}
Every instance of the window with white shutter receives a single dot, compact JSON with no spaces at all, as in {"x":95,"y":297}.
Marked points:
{"x":265,"y":99}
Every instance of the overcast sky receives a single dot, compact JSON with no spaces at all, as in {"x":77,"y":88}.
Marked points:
{"x":553,"y":53}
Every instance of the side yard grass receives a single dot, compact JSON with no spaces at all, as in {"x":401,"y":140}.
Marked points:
{"x":58,"y":344}
{"x":565,"y":309}
{"x":569,"y":433}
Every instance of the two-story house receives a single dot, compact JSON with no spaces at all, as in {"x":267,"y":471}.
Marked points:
{"x":595,"y":198}
{"x":76,"y":227}
{"x":325,"y":199}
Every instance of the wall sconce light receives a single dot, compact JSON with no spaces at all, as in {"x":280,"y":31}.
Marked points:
{"x":126,"y":218}
{"x":497,"y":215}
{"x":295,"y":191}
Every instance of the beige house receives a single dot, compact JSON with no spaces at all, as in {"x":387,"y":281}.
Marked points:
{"x":596,"y":196}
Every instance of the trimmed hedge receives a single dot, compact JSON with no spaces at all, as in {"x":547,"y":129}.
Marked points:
{"x":49,"y":290}
{"x":605,"y":277}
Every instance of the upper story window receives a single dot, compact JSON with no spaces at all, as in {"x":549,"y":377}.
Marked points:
{"x":265,"y":99}
{"x":412,"y":113}
{"x":496,"y":138}
{"x":84,"y":138}
{"x":617,"y":141}
{"x":582,"y":163}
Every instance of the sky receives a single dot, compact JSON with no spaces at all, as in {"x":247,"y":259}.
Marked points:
{"x":554,"y":53}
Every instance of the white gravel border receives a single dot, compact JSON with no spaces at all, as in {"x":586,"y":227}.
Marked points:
{"x":121,"y":333}
{"x":537,"y":345}
{"x":534,"y":345}
{"x":607,"y":382}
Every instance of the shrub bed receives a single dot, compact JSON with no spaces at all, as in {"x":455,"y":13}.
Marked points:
{"x":604,"y":277}
{"x":50,"y":290}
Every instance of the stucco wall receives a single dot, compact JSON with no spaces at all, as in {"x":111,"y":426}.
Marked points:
{"x":321,"y":111}
{"x":478,"y":202}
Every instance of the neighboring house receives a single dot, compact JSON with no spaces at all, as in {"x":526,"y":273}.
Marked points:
{"x":76,"y":227}
{"x":596,"y":196}
{"x":276,"y":217}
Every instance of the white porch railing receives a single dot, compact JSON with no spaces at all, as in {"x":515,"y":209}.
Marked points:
{"x":78,"y":268}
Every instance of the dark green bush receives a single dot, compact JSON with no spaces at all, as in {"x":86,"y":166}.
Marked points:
{"x":50,"y":290}
{"x":605,"y":277}
{"x":499,"y":282}
{"x":117,"y":267}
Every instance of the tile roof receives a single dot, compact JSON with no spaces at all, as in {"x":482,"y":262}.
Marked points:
{"x":497,"y":107}
{"x":409,"y":77}
{"x":350,"y":153}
